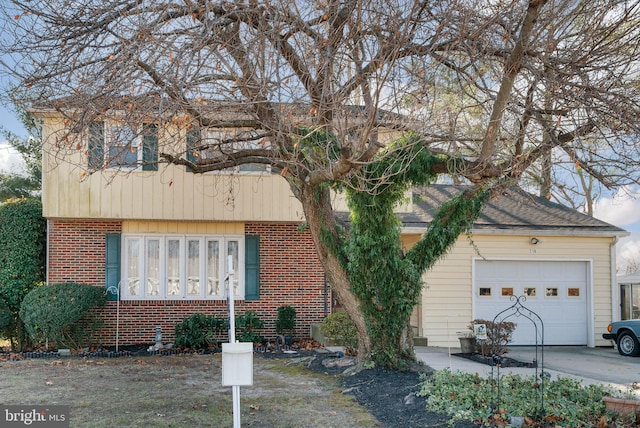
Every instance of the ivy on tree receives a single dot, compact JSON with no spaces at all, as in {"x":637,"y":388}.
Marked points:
{"x":386,"y":281}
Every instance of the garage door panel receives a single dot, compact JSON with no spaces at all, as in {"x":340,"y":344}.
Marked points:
{"x":555,"y":291}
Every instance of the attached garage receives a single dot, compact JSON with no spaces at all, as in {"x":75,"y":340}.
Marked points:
{"x":560,"y":260}
{"x":557,"y":291}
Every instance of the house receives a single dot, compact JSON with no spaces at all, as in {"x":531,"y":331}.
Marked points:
{"x":163,"y":237}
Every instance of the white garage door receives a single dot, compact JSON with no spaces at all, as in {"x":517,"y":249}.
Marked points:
{"x":556,"y":291}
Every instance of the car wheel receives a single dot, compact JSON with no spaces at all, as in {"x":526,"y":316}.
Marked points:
{"x":628,"y":345}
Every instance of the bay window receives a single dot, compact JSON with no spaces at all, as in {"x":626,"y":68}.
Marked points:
{"x":181,"y":267}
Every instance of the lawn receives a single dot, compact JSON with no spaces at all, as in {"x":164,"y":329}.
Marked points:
{"x":179,"y":391}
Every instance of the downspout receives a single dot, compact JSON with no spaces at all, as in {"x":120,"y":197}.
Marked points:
{"x":615,"y":292}
{"x":46,"y":261}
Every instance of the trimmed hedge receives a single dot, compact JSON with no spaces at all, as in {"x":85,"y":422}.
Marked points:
{"x":339,"y":329}
{"x":22,"y":261}
{"x":60,"y":313}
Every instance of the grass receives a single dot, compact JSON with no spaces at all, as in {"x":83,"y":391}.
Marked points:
{"x":179,"y":391}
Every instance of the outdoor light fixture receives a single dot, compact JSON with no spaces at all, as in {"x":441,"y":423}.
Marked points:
{"x":534,"y":241}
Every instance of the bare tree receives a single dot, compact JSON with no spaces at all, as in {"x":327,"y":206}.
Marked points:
{"x":529,"y":78}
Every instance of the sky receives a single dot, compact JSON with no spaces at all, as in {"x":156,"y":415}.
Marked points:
{"x":621,"y":209}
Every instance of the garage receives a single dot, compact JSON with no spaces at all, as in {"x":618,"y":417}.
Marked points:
{"x":556,"y":291}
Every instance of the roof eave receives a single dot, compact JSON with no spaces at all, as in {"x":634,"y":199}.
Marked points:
{"x":573,"y":232}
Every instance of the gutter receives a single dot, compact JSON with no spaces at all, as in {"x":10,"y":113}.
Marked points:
{"x":615,"y":292}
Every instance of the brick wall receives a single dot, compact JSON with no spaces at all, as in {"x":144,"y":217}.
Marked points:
{"x":76,"y":250}
{"x":290,"y":274}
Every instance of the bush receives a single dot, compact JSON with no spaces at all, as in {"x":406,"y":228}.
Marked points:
{"x":60,"y":313}
{"x":286,"y":321}
{"x":6,"y":319}
{"x":22,"y":260}
{"x":499,"y":335}
{"x":339,"y":329}
{"x":465,"y":396}
{"x":246,"y":325}
{"x":199,"y":331}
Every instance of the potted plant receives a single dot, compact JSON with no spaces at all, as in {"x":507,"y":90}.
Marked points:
{"x":624,"y":404}
{"x":286,"y":323}
{"x":467,"y":342}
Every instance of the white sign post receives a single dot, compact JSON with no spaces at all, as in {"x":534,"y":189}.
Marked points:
{"x":237,"y":358}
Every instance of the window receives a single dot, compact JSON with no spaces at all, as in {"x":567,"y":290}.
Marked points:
{"x":177,"y":267}
{"x":529,"y":291}
{"x":551,"y":292}
{"x":507,"y":291}
{"x":573,"y":292}
{"x":485,"y":291}
{"x":121,"y":146}
{"x":215,"y":143}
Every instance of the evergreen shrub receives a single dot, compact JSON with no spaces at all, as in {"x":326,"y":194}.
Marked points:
{"x":61,"y":313}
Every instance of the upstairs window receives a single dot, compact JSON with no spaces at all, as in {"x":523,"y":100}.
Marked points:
{"x":208,"y":144}
{"x":121,"y":146}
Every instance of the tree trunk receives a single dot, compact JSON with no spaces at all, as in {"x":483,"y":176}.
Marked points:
{"x":316,"y":203}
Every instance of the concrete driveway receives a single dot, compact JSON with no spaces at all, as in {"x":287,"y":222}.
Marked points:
{"x":589,"y":365}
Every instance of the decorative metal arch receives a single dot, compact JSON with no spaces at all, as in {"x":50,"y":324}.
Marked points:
{"x":517,"y":309}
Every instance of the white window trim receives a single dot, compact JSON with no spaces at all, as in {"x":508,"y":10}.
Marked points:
{"x":163,"y":288}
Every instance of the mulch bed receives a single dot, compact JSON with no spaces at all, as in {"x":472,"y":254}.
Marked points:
{"x":501,"y":361}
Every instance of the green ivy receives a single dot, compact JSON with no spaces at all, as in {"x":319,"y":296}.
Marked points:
{"x":465,"y":396}
{"x":61,"y":313}
{"x":386,"y":281}
{"x":22,"y":259}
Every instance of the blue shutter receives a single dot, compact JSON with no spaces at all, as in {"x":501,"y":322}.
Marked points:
{"x":192,"y":140}
{"x":112,"y":263}
{"x":96,"y":145}
{"x":251,"y":267}
{"x":150,"y":147}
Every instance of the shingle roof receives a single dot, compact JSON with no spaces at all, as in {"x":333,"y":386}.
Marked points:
{"x":513,"y":210}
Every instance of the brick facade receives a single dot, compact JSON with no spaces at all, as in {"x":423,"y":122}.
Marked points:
{"x":290,"y":274}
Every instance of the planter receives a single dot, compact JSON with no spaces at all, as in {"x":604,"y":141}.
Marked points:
{"x":622,"y":406}
{"x":467,"y":345}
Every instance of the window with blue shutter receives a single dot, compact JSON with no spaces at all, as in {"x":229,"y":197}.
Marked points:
{"x":150,"y":147}
{"x":252,"y":267}
{"x":112,"y":263}
{"x":192,"y":140}
{"x":96,"y":145}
